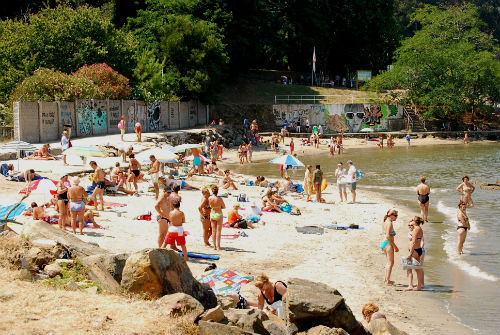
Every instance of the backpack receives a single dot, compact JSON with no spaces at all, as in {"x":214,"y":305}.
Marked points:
{"x":121,"y":125}
{"x":242,"y":197}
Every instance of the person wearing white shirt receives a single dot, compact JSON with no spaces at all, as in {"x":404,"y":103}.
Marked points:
{"x":64,"y":145}
{"x":351,"y":177}
{"x":340,"y":173}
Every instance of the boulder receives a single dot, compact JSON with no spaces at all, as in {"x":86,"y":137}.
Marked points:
{"x":92,"y":290}
{"x":104,"y":269}
{"x":313,"y":304}
{"x":112,"y":263}
{"x":323,"y":330}
{"x":215,"y":314}
{"x":157,"y":272}
{"x":225,"y":302}
{"x":214,"y":328}
{"x":383,"y":327}
{"x":37,"y":257}
{"x":178,"y":304}
{"x":35,"y":230}
{"x":52,"y":270}
{"x":274,"y":327}
{"x":250,"y":320}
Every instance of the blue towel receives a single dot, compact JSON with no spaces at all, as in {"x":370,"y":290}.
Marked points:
{"x":4,"y":169}
{"x":91,"y":188}
{"x":16,"y":212}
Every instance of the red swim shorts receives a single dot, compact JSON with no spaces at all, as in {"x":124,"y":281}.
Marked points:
{"x":173,"y":238}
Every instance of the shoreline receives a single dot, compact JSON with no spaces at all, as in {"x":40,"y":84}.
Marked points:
{"x":354,"y":262}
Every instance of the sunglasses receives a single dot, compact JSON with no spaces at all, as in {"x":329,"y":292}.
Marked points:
{"x":394,"y":215}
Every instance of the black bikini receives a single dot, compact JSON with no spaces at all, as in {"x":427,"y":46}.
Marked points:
{"x":63,"y":196}
{"x":277,"y":296}
{"x":136,"y":172}
{"x":423,"y":198}
{"x":462,"y":227}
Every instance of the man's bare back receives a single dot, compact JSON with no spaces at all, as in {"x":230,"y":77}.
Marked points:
{"x":98,"y":175}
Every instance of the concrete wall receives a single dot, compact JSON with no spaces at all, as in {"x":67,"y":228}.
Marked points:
{"x":44,"y":121}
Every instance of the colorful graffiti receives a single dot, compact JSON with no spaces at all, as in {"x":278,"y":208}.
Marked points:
{"x":131,"y":119}
{"x":339,"y":117}
{"x":66,"y":114}
{"x":99,"y":117}
{"x":84,"y":117}
{"x":141,"y":116}
{"x":153,"y":115}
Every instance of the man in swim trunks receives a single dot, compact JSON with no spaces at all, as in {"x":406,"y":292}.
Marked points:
{"x":154,"y":172}
{"x":197,"y":160}
{"x":134,"y":171}
{"x":77,"y":197}
{"x":100,"y":184}
{"x":163,"y":208}
{"x":176,"y":231}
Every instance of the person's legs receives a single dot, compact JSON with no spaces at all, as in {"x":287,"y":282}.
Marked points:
{"x":184,"y":251}
{"x":73,"y":221}
{"x":317,"y":188}
{"x":422,"y":210}
{"x":81,"y":221}
{"x":162,"y":231}
{"x":340,"y":193}
{"x":90,"y":216}
{"x":94,"y":197}
{"x":157,"y":190}
{"x":219,"y":231}
{"x":389,"y":253}
{"x":409,"y":274}
{"x":61,"y":206}
{"x":100,"y":194}
{"x":426,"y":212}
{"x":207,"y":231}
{"x":462,"y":234}
{"x":213,"y":224}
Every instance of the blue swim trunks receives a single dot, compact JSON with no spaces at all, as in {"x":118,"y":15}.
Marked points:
{"x":196,"y":161}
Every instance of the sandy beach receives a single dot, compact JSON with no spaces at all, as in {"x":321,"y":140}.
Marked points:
{"x":349,"y":260}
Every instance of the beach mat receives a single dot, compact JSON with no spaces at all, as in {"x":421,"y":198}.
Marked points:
{"x":338,"y":227}
{"x":310,"y":230}
{"x":109,"y":204}
{"x":200,"y":255}
{"x":16,"y":212}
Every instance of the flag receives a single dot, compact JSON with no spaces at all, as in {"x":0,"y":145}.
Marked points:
{"x":314,"y":59}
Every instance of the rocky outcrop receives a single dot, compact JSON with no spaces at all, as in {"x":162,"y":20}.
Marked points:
{"x":313,"y":304}
{"x":100,"y":271}
{"x":157,"y":272}
{"x":215,"y":314}
{"x":52,"y":270}
{"x":250,"y":320}
{"x":214,"y":328}
{"x":383,"y":327}
{"x":323,"y":330}
{"x":178,"y":304}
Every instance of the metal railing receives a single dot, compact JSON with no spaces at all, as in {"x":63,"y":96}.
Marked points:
{"x":328,"y":99}
{"x":409,"y":120}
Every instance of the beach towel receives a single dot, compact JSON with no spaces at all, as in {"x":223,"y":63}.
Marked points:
{"x":16,"y":212}
{"x":229,"y":237}
{"x":270,"y":211}
{"x":224,"y":281}
{"x":109,"y":204}
{"x":334,"y":226}
{"x":56,"y":221}
{"x":310,"y":230}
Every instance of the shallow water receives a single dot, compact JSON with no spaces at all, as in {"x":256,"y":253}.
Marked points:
{"x":468,"y":285}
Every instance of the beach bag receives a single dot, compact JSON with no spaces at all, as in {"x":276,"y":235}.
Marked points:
{"x":300,"y":188}
{"x":242,"y":197}
{"x":359,"y":174}
{"x":69,"y":144}
{"x":295,"y":211}
{"x":410,"y":264}
{"x":286,"y":207}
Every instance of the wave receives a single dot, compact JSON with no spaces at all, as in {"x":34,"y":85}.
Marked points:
{"x":450,"y":245}
{"x":403,"y":188}
{"x":451,"y":217}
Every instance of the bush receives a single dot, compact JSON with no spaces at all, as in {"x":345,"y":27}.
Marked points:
{"x":109,"y":83}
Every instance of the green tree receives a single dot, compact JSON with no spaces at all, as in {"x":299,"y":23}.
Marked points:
{"x":63,"y":39}
{"x":448,"y":66}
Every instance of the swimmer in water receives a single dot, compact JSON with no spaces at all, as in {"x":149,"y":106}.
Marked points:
{"x":423,"y":191}
{"x":466,"y":189}
{"x":463,"y":225}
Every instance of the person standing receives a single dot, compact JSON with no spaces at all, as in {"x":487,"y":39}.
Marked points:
{"x":196,"y":152}
{"x":245,"y":123}
{"x":250,"y":151}
{"x":64,"y":145}
{"x":466,"y":189}
{"x":77,"y":197}
{"x":307,"y":125}
{"x":315,"y":129}
{"x":62,"y":200}
{"x":138,"y":131}
{"x":308,"y":184}
{"x":121,"y":126}
{"x":297,"y":128}
{"x":205,"y":210}
{"x":217,"y":205}
{"x":340,"y":173}
{"x":154,"y":172}
{"x":134,"y":171}
{"x":423,"y":191}
{"x":351,"y":179}
{"x":100,"y":184}
{"x":175,"y":232}
{"x":292,"y":146}
{"x":415,"y":249}
{"x":163,"y":208}
{"x":466,"y":137}
{"x":388,"y":246}
{"x":408,"y":139}
{"x":317,"y":180}
{"x":464,"y":225}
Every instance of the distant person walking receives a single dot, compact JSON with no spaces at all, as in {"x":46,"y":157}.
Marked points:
{"x":388,"y":245}
{"x":340,"y":173}
{"x":292,"y":146}
{"x":121,"y":126}
{"x":308,"y":183}
{"x":138,"y":131}
{"x":466,"y":137}
{"x":408,"y":139}
{"x":423,"y":191}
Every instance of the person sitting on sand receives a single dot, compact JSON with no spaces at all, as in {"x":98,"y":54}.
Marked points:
{"x":228,"y":182}
{"x":89,"y":215}
{"x":30,"y":175}
{"x":261,"y":181}
{"x":466,"y":189}
{"x":270,"y":201}
{"x":236,"y":220}
{"x":175,"y":232}
{"x":287,"y":186}
{"x":388,"y":246}
{"x":40,"y":212}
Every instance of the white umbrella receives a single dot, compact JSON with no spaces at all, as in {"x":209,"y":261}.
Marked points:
{"x":19,"y":146}
{"x":287,"y":160}
{"x":191,"y":157}
{"x":160,"y":154}
{"x":186,"y":146}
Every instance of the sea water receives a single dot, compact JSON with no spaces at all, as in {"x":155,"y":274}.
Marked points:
{"x":467,"y":285}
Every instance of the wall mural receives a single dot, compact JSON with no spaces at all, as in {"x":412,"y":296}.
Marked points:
{"x":65,"y":115}
{"x":339,"y":117}
{"x":84,"y":116}
{"x":153,"y":116}
{"x":99,"y":117}
{"x":131,"y":119}
{"x":141,"y":115}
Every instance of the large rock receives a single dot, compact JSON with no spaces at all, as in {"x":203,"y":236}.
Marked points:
{"x":178,"y":304}
{"x":383,"y":327}
{"x":323,"y":330}
{"x":215,"y":314}
{"x":52,"y":270}
{"x":214,"y":328}
{"x":157,"y":272}
{"x":226,"y":302}
{"x":37,"y":257}
{"x":98,"y":271}
{"x":250,"y":320}
{"x":313,"y":304}
{"x":35,"y":230}
{"x":112,"y":263}
{"x":279,"y":328}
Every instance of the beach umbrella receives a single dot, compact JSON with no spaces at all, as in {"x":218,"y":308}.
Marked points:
{"x":18,"y":146}
{"x":287,"y":160}
{"x":84,"y":151}
{"x":186,"y":146}
{"x":191,"y":157}
{"x":224,"y":281}
{"x":159,"y":153}
{"x":40,"y":186}
{"x":168,"y":147}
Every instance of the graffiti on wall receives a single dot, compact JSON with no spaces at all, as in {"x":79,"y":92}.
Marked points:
{"x":65,"y":115}
{"x":99,"y":117}
{"x":114,"y":114}
{"x":338,"y":117}
{"x":141,"y":116}
{"x":131,"y":119}
{"x":153,"y":115}
{"x":84,"y":117}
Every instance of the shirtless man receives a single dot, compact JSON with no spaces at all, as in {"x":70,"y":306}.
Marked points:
{"x":38,"y":211}
{"x":175,"y":194}
{"x":176,"y":231}
{"x":77,"y":196}
{"x":100,"y":184}
{"x":127,"y":153}
{"x":197,"y":160}
{"x":163,"y":208}
{"x":154,"y":172}
{"x":134,"y":170}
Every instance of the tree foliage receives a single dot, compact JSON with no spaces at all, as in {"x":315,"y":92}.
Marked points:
{"x":449,"y":65}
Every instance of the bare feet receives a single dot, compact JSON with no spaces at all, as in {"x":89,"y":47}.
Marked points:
{"x":389,"y":283}
{"x":409,"y":288}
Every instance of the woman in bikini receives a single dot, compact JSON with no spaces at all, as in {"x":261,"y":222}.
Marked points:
{"x":416,"y":251}
{"x":217,"y":205}
{"x":77,"y":197}
{"x":205,"y":210}
{"x":466,"y":189}
{"x":463,"y":225}
{"x":62,"y":201}
{"x":423,"y":191}
{"x":271,"y":293}
{"x":388,"y":246}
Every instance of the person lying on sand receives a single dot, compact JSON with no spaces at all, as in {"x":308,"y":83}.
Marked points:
{"x":170,"y":181}
{"x":371,"y":312}
{"x":42,"y":154}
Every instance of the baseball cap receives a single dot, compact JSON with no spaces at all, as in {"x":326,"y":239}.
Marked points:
{"x":349,"y":161}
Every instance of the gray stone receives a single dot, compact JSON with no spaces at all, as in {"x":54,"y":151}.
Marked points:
{"x":52,"y":270}
{"x":247,"y":319}
{"x":92,"y":290}
{"x":157,"y":272}
{"x":323,"y":330}
{"x":99,"y":271}
{"x":275,"y":327}
{"x":383,"y":327}
{"x":313,"y":304}
{"x":214,"y":328}
{"x":215,"y":314}
{"x":71,"y":285}
{"x":225,"y":302}
{"x":64,"y":261}
{"x":36,"y":257}
{"x":25,"y":274}
{"x":178,"y":304}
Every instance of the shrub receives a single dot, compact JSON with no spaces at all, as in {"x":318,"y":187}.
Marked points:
{"x":109,"y":83}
